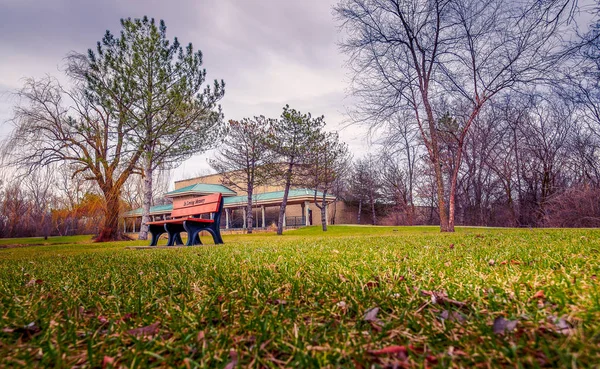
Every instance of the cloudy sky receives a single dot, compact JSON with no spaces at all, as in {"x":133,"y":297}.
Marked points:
{"x":269,"y":52}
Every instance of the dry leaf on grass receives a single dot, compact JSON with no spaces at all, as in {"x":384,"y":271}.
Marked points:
{"x":103,"y":320}
{"x":452,"y":316}
{"x":539,"y":295}
{"x":400,"y":351}
{"x":371,"y":315}
{"x":561,"y":326}
{"x":200,"y":337}
{"x":149,"y":330}
{"x":234,"y":359}
{"x":502,"y":326}
{"x":107,"y":360}
{"x":441,"y":298}
{"x":34,"y":282}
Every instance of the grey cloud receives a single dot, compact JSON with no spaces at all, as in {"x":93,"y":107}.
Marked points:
{"x":269,"y":52}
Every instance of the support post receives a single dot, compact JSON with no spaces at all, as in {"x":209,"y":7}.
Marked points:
{"x":284,"y":219}
{"x":226,"y":218}
{"x":306,"y":208}
{"x":244,"y":217}
{"x":262,"y":209}
{"x":134,"y":221}
{"x":124,"y":225}
{"x":326,"y":213}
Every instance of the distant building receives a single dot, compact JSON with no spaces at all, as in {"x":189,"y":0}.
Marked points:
{"x":300,"y":211}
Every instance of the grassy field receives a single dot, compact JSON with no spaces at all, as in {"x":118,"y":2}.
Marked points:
{"x":355,"y":297}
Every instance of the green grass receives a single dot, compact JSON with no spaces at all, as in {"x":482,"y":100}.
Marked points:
{"x":42,"y":241}
{"x":299,"y":300}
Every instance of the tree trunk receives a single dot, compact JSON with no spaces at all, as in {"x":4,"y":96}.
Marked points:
{"x":110,"y":229}
{"x":323,"y":211}
{"x":288,"y":182}
{"x":434,"y":152}
{"x":374,"y":219}
{"x":249,"y":214}
{"x":453,"y":182}
{"x":147,"y":201}
{"x":359,"y":211}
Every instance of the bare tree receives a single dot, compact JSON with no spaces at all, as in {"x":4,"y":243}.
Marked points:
{"x":365,"y":185}
{"x":243,"y":159}
{"x":290,"y":138}
{"x":327,"y":161}
{"x":414,"y":54}
{"x":53,"y":125}
{"x":399,"y":154}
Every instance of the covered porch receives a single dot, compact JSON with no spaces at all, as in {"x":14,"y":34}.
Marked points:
{"x":301,"y":210}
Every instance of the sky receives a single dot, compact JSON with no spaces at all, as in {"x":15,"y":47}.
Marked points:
{"x":269,"y":52}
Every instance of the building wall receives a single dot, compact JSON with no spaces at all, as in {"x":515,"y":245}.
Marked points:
{"x":339,"y":210}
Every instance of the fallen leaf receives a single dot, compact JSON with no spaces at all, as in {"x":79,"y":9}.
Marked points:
{"x":127,"y":317}
{"x":594,"y":277}
{"x":491,"y":262}
{"x":372,"y":284}
{"x":149,"y":330}
{"x":504,"y":262}
{"x":447,"y":263}
{"x":539,"y":295}
{"x":342,"y":304}
{"x":28,"y":331}
{"x":442,"y":298}
{"x":451,"y":246}
{"x":102,"y":319}
{"x":431,"y":359}
{"x":317,"y":348}
{"x":502,"y":326}
{"x":234,"y":359}
{"x":390,"y":350}
{"x":33,"y":282}
{"x":200,"y":337}
{"x":515,"y":262}
{"x":561,"y":325}
{"x":452,"y":316}
{"x":371,"y":315}
{"x":107,"y":360}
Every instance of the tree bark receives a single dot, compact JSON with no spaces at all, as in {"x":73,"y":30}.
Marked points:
{"x":359,"y":211}
{"x":374,"y":219}
{"x":323,"y":208}
{"x":249,"y":214}
{"x":437,"y":168}
{"x":110,"y":229}
{"x":288,"y":182}
{"x":147,"y":201}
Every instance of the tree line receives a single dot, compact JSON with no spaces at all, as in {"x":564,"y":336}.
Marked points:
{"x":485,"y":113}
{"x":498,"y":97}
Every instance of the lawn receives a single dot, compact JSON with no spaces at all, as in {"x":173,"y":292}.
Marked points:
{"x":353,"y":297}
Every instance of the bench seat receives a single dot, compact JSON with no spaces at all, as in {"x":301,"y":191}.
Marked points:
{"x":185,"y":219}
{"x":180,"y":221}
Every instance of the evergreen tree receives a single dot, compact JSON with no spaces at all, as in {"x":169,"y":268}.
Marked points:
{"x":290,"y":138}
{"x":171,"y":113}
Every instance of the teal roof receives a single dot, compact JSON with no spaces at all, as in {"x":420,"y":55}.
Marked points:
{"x":202,"y":188}
{"x":270,"y":196}
{"x":239,"y":200}
{"x":153,"y":209}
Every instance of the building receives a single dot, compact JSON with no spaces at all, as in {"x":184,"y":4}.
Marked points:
{"x":301,"y":209}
